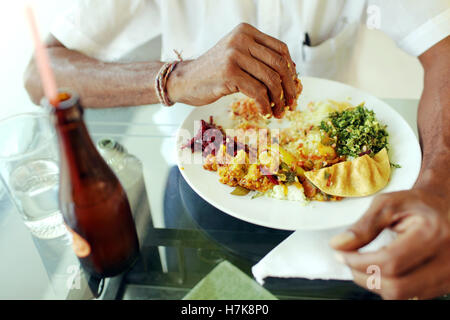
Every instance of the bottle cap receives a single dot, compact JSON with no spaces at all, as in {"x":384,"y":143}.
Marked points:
{"x":68,"y":109}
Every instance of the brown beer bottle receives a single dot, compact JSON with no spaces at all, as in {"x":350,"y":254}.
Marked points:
{"x":93,"y":203}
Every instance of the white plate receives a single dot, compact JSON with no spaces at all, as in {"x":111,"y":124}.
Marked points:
{"x":288,"y":215}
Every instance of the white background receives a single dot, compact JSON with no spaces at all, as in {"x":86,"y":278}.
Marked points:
{"x":378,"y":67}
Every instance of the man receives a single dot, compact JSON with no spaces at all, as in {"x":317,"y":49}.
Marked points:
{"x":95,"y":48}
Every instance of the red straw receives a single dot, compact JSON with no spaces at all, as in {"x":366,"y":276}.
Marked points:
{"x":43,"y":61}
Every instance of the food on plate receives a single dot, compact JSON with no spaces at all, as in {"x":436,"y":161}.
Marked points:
{"x":359,"y":177}
{"x":247,"y":114}
{"x":324,"y":152}
{"x":355,"y":132}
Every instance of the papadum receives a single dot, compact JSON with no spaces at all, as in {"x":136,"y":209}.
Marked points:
{"x":359,"y":177}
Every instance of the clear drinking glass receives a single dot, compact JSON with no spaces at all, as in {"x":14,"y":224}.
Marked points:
{"x":29,"y":169}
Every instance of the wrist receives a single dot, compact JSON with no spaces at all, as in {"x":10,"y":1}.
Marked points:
{"x":176,"y":83}
{"x":432,"y":178}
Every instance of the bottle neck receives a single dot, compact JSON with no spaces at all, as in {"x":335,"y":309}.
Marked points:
{"x":67,"y":119}
{"x":71,"y":130}
{"x":76,"y":148}
{"x":113,"y":152}
{"x":81,"y":165}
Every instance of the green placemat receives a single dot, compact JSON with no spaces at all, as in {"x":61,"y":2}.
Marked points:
{"x":226,"y":282}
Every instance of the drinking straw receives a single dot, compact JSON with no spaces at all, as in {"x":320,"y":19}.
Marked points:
{"x":43,"y":61}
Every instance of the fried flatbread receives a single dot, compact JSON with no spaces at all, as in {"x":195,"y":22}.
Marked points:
{"x":359,"y":177}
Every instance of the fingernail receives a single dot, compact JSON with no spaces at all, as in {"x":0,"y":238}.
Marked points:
{"x":342,"y":239}
{"x":339,"y":257}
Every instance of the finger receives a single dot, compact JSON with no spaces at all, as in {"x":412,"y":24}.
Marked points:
{"x":254,"y":89}
{"x":279,"y":110}
{"x":278,"y":63}
{"x":370,"y":281}
{"x":270,"y":52}
{"x":430,"y":280}
{"x":410,"y":249}
{"x":279,"y":46}
{"x":270,"y":42}
{"x":269,"y":77}
{"x":367,"y":228}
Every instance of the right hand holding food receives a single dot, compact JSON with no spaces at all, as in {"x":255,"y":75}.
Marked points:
{"x":246,"y":60}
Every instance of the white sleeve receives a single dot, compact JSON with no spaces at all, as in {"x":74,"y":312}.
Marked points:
{"x":415,"y":25}
{"x":108,"y":29}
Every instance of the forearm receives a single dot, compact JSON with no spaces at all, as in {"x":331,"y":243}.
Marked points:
{"x":99,"y":84}
{"x":245,"y":60}
{"x":434,"y":119}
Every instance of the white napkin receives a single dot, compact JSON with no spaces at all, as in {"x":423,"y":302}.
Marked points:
{"x":306,"y":254}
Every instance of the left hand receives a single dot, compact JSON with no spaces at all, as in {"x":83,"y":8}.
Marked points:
{"x":416,"y":265}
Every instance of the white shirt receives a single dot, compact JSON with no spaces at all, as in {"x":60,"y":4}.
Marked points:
{"x":110,"y":30}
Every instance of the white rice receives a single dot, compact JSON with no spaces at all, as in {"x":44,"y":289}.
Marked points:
{"x":294,"y":193}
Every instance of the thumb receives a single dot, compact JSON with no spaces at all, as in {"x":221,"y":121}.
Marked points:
{"x":366,"y":229}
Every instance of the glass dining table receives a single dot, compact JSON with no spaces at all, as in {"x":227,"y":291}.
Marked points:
{"x":181,"y":241}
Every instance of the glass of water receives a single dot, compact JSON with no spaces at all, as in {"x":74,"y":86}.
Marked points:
{"x":29,"y":169}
